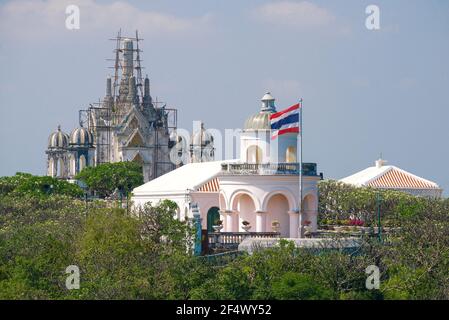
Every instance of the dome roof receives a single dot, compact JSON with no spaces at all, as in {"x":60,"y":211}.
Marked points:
{"x":201,"y":137}
{"x":178,"y":139}
{"x":81,"y":136}
{"x":58,"y":139}
{"x":261,"y":120}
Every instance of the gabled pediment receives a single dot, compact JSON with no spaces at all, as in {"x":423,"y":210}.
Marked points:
{"x":136,"y":140}
{"x":138,"y":158}
{"x":134,"y":119}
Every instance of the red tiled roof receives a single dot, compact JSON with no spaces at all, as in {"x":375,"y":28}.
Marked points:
{"x":395,"y":178}
{"x":210,"y":186}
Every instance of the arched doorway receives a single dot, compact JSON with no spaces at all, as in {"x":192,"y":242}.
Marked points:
{"x":61,"y":168}
{"x":82,"y":162}
{"x":72,"y":165}
{"x":213,"y":216}
{"x":310,"y":210}
{"x":277,"y":210}
{"x":254,"y":154}
{"x":244,"y":205}
{"x":51,"y":168}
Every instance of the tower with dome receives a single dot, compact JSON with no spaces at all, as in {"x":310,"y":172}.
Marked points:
{"x":258,"y":191}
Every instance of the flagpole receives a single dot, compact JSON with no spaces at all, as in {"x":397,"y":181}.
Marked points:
{"x":299,"y":138}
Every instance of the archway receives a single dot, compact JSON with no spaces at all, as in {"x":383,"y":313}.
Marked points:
{"x":72,"y":165}
{"x":82,"y":162}
{"x":254,"y":154}
{"x":277,"y":210}
{"x":51,"y":167}
{"x":310,"y":210}
{"x":246,"y":208}
{"x":290,"y":154}
{"x":213,"y":216}
{"x":61,"y":168}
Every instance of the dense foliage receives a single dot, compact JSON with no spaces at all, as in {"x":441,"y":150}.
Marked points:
{"x":338,"y":202}
{"x":119,"y":256}
{"x":23,"y":184}
{"x":105,"y":178}
{"x":144,"y":254}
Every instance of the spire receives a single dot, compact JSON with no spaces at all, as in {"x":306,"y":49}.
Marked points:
{"x":108,"y":87}
{"x":127,"y":68}
{"x":146,"y":87}
{"x":128,"y":57}
{"x":132,"y":94}
{"x":108,"y":100}
{"x":146,"y":93}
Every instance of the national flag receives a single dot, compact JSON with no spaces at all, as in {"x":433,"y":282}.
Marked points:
{"x":285,"y":121}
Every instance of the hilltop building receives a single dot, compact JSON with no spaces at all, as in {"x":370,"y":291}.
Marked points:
{"x":386,"y":177}
{"x":260,"y":187}
{"x":127,"y":125}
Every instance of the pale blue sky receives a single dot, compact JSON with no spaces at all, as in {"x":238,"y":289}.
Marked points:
{"x":364,"y":92}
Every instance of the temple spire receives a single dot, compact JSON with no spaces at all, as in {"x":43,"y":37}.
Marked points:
{"x":132,"y":94}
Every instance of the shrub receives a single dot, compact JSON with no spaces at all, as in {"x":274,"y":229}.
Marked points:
{"x":296,"y":286}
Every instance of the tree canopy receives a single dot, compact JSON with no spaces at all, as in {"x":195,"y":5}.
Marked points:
{"x":23,"y":184}
{"x":339,"y":201}
{"x":144,"y":253}
{"x":105,"y":178}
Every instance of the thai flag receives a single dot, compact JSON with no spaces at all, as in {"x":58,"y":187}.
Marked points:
{"x":285,"y":121}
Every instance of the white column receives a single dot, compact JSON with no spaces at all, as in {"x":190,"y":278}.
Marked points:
{"x":230,"y":221}
{"x":223,"y":217}
{"x":294,"y":223}
{"x":261,"y":221}
{"x":236,"y":220}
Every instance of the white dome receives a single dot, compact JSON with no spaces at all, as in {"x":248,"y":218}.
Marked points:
{"x":81,"y":137}
{"x":58,"y":139}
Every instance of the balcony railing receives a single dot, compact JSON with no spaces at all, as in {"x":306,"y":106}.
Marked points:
{"x":308,"y":169}
{"x":232,"y":239}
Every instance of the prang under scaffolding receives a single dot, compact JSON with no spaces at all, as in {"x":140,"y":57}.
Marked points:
{"x":126,"y":125}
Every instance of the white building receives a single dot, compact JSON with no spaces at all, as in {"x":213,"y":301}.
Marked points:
{"x":260,"y":187}
{"x":390,"y":177}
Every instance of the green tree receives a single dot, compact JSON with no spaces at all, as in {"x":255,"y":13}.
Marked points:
{"x":37,"y":242}
{"x":296,"y":286}
{"x":105,"y":178}
{"x":23,"y":184}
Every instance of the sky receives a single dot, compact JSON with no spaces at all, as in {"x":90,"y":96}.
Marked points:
{"x":365,"y":92}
